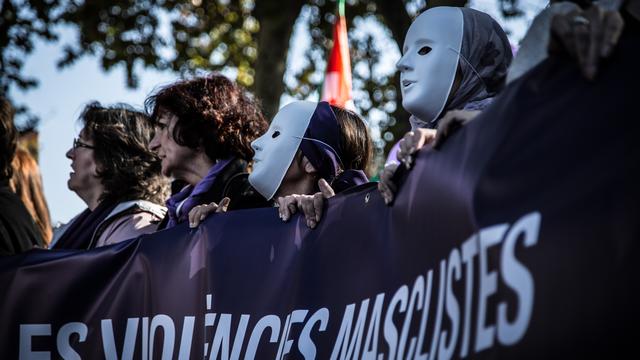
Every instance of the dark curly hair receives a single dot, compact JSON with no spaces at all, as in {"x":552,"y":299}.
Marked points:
{"x":127,"y":168}
{"x":213,"y":113}
{"x":8,"y":138}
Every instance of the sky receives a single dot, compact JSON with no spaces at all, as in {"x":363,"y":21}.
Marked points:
{"x":62,"y":94}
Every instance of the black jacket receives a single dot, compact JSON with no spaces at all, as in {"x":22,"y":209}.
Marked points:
{"x":18,"y":232}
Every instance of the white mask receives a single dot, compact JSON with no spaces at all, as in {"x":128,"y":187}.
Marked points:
{"x":276,"y":149}
{"x":430,"y":61}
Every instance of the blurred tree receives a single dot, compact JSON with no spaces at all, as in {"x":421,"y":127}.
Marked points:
{"x":249,"y":37}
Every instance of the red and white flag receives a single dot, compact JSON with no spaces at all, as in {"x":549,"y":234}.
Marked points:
{"x":337,"y":82}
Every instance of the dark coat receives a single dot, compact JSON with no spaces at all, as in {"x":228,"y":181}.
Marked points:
{"x":18,"y":231}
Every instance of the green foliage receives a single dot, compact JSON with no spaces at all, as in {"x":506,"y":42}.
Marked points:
{"x":21,"y":23}
{"x":188,"y":36}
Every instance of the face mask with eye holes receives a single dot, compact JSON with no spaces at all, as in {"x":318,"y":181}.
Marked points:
{"x":276,"y":149}
{"x":429,"y":62}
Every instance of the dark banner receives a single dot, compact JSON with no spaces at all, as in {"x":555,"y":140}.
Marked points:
{"x":517,"y":240}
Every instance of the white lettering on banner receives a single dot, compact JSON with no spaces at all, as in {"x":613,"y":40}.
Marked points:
{"x":370,"y":351}
{"x":417,"y":294}
{"x":398,"y":301}
{"x":453,"y":309}
{"x":469,"y":251}
{"x":109,"y":342}
{"x":425,"y":317}
{"x":63,"y":344}
{"x":421,"y":322}
{"x":297,"y":316}
{"x":305,"y":344}
{"x":269,"y":321}
{"x":488,"y":285}
{"x":517,"y":277}
{"x":345,"y":346}
{"x":27,"y":331}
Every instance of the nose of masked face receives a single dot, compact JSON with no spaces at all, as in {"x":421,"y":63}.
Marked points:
{"x":256,"y":144}
{"x":403,"y":64}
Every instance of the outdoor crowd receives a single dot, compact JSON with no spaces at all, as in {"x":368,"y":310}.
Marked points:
{"x":202,"y":145}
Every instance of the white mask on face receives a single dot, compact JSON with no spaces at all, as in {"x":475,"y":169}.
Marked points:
{"x":276,"y":149}
{"x":430,"y":61}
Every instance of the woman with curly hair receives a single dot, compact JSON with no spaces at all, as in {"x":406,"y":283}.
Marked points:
{"x":204,"y":130}
{"x":117,"y":176}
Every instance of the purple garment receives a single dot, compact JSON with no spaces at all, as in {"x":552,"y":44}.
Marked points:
{"x":321,"y":142}
{"x":321,"y":145}
{"x":392,"y":158}
{"x":348,"y":179}
{"x":191,"y":196}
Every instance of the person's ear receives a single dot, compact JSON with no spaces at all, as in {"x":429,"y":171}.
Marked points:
{"x":307,"y":166}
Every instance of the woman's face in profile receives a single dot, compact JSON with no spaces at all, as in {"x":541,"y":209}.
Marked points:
{"x":83,"y":179}
{"x":175,"y":157}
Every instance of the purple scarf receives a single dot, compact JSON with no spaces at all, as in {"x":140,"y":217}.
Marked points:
{"x":321,"y":145}
{"x":179,"y":205}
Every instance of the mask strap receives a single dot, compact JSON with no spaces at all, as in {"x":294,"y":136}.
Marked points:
{"x":469,"y":64}
{"x":325,"y":144}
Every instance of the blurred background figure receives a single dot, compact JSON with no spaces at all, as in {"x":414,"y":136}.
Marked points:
{"x":18,"y":232}
{"x":26,"y":182}
{"x":116,"y":174}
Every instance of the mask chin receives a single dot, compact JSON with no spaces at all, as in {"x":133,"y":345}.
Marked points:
{"x":440,"y":29}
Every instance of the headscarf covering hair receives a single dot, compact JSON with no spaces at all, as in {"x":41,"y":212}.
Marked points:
{"x":484,"y":59}
{"x":321,"y":146}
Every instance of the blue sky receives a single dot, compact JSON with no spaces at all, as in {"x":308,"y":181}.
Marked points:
{"x":61,"y":95}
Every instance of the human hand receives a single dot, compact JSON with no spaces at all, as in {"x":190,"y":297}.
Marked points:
{"x":411,"y":143}
{"x":587,"y":35}
{"x":200,"y":212}
{"x":450,"y":123}
{"x":310,"y":205}
{"x":386,"y":186}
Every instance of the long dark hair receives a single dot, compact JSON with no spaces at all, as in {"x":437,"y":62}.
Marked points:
{"x":126,"y":166}
{"x":355,"y":140}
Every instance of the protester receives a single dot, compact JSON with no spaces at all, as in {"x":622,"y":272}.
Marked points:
{"x":26,"y":182}
{"x":586,"y":35}
{"x":18,"y":232}
{"x":453,"y":59}
{"x":463,"y":66}
{"x":117,"y":176}
{"x":204,"y":129}
{"x":310,"y":152}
